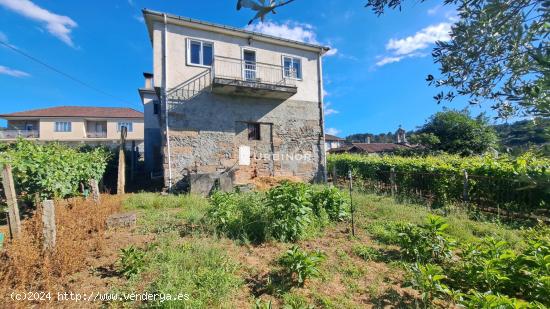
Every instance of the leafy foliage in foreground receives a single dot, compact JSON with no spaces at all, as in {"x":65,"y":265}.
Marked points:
{"x":520,"y":184}
{"x":288,"y":212}
{"x":53,"y":170}
{"x":302,"y":265}
{"x":131,"y":261}
{"x":476,"y":274}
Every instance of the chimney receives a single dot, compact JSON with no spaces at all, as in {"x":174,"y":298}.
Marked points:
{"x":149,"y":82}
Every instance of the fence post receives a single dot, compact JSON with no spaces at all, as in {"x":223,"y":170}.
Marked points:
{"x":465,"y":196}
{"x":13,"y":209}
{"x":94,"y":187}
{"x":48,"y":221}
{"x":334,"y":175}
{"x":392,"y":181}
{"x":122,"y":162}
{"x":351,"y":203}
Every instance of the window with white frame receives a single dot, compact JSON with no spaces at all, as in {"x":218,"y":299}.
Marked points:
{"x":199,"y":52}
{"x":292,"y":67}
{"x":63,"y":126}
{"x":129,"y":126}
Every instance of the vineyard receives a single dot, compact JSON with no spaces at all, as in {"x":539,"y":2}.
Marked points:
{"x":53,"y":170}
{"x":520,"y":185}
{"x":292,"y":245}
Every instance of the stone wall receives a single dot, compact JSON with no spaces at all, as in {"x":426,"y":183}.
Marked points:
{"x":207,"y":132}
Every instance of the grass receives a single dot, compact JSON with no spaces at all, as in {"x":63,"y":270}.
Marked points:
{"x":181,"y":254}
{"x":379,"y":210}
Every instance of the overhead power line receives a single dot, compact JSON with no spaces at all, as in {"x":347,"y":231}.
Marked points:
{"x":50,"y":67}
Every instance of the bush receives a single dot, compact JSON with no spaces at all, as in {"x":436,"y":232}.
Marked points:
{"x":332,"y":201}
{"x":428,"y":279}
{"x":239,"y":216}
{"x":517,"y":184}
{"x":288,"y":212}
{"x":291,"y":209}
{"x":427,"y":243}
{"x":53,"y":170}
{"x":301,"y":265}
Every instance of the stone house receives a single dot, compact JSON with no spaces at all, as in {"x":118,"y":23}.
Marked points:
{"x":225,"y":105}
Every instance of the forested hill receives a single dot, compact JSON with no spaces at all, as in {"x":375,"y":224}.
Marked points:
{"x":519,"y":135}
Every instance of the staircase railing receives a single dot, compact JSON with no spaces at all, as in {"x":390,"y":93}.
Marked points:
{"x":192,"y":87}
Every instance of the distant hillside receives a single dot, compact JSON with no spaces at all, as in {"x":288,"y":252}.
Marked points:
{"x":517,"y":136}
{"x":523,"y":134}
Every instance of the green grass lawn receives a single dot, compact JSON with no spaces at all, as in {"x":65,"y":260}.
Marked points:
{"x":188,"y":256}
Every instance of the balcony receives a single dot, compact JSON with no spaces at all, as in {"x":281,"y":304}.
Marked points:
{"x":237,"y":77}
{"x":13,"y":134}
{"x":96,"y":134}
{"x":96,"y":129}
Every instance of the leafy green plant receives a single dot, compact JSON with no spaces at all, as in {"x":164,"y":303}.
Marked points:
{"x":302,"y":265}
{"x":332,"y":201}
{"x":502,"y":181}
{"x":260,"y":304}
{"x":428,"y":279}
{"x":488,"y":300}
{"x":53,"y":170}
{"x":131,"y":261}
{"x":366,"y":253}
{"x":426,"y":243}
{"x":291,"y":209}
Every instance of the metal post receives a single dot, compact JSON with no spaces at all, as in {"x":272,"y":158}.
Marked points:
{"x":465,"y":196}
{"x":351,"y":203}
{"x":392,"y":181}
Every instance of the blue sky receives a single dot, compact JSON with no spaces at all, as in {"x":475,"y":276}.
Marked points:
{"x":374,"y":77}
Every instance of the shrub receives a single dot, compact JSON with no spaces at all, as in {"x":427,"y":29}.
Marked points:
{"x":131,"y":261}
{"x":239,"y":216}
{"x":428,"y":279}
{"x":302,"y":265}
{"x":426,"y":243}
{"x":288,"y":212}
{"x":332,"y":201}
{"x":53,"y":170}
{"x":291,"y":209}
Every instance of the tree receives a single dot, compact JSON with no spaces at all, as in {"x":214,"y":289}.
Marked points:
{"x":457,"y":132}
{"x":498,"y":52}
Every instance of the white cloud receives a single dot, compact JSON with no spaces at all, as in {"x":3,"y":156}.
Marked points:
{"x":415,"y":45}
{"x":131,"y":2}
{"x":12,"y":72}
{"x":421,"y":39}
{"x":58,"y":25}
{"x":328,"y":110}
{"x":332,"y":131}
{"x":139,"y":18}
{"x":290,"y":30}
{"x":325,"y":93}
{"x":388,"y":60}
{"x":3,"y":37}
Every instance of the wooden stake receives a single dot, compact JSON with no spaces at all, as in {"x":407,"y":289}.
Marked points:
{"x":11,"y":198}
{"x":94,"y":187}
{"x":392,"y":181}
{"x":122,"y":162}
{"x":351,"y":204}
{"x":48,"y":221}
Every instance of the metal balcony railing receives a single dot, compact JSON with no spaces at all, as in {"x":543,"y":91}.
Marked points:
{"x":9,"y":134}
{"x":96,"y":134}
{"x":252,"y":72}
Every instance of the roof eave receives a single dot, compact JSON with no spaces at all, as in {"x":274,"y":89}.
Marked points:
{"x":150,"y":16}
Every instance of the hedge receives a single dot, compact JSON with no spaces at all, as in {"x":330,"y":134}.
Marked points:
{"x":515,"y":184}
